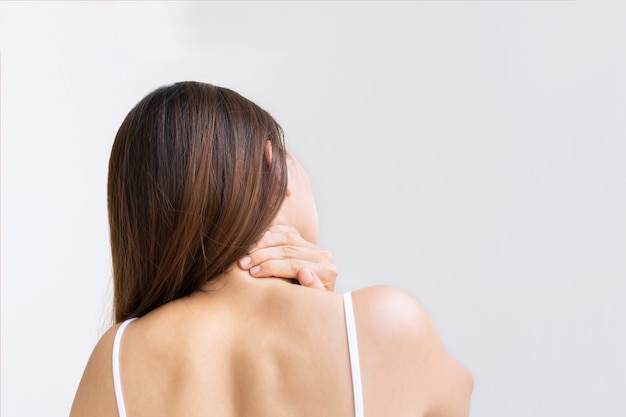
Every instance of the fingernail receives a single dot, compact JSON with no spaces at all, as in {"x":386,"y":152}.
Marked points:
{"x":245,"y":261}
{"x":255,"y":269}
{"x":308,"y":277}
{"x":266,"y":234}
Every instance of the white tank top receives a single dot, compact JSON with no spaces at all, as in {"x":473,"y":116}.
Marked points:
{"x":352,"y":347}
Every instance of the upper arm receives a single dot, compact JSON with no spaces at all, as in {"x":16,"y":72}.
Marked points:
{"x":406,"y":357}
{"x":95,"y":394}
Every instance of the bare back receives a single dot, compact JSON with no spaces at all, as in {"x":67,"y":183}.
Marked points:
{"x":262,"y":348}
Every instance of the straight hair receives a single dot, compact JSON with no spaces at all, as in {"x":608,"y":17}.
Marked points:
{"x":189,"y":190}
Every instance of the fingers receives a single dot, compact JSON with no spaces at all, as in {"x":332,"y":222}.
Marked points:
{"x":329,"y":277}
{"x":282,"y":268}
{"x":325,"y":272}
{"x":282,"y":235}
{"x":290,"y":253}
{"x":282,"y":252}
{"x":309,"y":278}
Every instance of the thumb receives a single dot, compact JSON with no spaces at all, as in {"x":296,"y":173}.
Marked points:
{"x":309,"y":279}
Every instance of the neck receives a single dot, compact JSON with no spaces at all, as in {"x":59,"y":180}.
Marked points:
{"x":236,"y":279}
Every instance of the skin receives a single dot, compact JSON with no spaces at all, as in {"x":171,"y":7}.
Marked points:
{"x":282,"y":252}
{"x":264,"y":347}
{"x":289,"y":248}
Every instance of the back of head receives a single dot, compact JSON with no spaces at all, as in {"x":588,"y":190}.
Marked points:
{"x":189,"y":190}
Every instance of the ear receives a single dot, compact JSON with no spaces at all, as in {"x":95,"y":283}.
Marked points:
{"x":268,"y":152}
{"x":268,"y":161}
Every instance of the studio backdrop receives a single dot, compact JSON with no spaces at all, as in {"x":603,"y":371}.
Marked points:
{"x":471,"y":153}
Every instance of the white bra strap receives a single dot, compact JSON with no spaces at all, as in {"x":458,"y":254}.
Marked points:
{"x":353,"y":348}
{"x":117,"y":383}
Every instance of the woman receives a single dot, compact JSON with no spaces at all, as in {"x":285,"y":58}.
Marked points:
{"x":197,"y":175}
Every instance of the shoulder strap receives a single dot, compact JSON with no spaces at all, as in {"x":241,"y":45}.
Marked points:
{"x":117,"y":383}
{"x":353,"y":348}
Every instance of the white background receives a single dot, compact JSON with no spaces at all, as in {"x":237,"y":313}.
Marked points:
{"x":472,"y":153}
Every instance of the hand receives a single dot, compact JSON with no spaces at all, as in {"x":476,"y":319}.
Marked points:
{"x":283,"y":253}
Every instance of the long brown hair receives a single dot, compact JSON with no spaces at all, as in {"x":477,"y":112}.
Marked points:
{"x":189,"y":190}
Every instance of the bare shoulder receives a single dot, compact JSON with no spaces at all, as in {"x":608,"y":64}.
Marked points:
{"x":94,"y":396}
{"x":389,"y":309}
{"x":400,"y":349}
{"x":390,"y":313}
